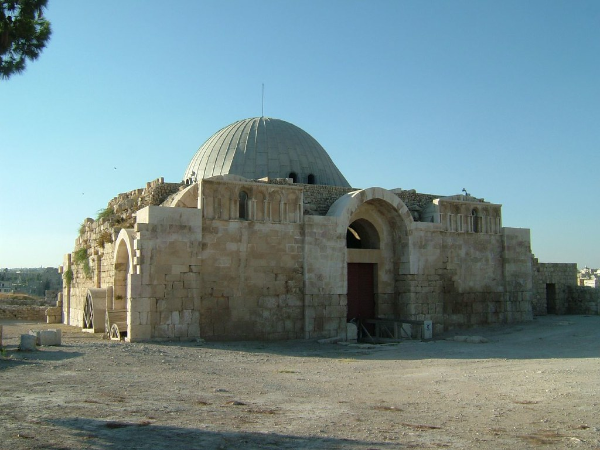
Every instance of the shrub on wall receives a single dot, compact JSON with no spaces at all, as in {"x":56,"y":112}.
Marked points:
{"x":68,"y":276}
{"x":80,"y":257}
{"x":104,"y":238}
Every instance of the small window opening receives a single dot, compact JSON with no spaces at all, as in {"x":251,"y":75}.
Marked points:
{"x":243,"y":206}
{"x":293,"y":176}
{"x":311,"y":179}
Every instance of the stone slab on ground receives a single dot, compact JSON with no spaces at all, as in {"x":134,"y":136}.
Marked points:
{"x":28,"y":342}
{"x":50,"y":337}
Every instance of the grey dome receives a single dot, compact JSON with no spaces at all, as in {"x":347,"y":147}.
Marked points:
{"x":264,"y":147}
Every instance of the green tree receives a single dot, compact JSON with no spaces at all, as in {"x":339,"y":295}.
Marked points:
{"x":23,"y":34}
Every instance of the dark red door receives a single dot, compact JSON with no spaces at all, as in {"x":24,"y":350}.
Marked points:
{"x":361,"y":291}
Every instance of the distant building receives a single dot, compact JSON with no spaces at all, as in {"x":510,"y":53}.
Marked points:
{"x":589,"y":277}
{"x":6,"y":287}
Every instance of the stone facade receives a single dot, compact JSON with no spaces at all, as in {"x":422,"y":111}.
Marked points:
{"x":229,"y":258}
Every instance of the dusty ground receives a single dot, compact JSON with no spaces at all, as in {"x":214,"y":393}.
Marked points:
{"x":534,"y":385}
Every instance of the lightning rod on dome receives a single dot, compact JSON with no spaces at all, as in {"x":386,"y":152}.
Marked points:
{"x":262,"y":106}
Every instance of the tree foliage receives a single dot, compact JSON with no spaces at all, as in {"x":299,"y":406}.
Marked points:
{"x":23,"y":34}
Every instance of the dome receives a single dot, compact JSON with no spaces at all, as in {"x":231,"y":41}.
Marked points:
{"x":264,"y":147}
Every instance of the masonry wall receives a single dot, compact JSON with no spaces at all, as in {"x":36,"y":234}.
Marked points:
{"x":466,"y":279}
{"x":165,"y":286}
{"x":583,"y":300}
{"x":419,"y":297}
{"x":325,"y":288}
{"x":98,"y":237}
{"x":562,"y":276}
{"x":252,"y":280}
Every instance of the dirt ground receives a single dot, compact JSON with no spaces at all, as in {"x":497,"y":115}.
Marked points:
{"x":533,"y":385}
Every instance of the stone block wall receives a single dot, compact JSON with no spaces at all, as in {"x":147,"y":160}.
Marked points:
{"x":164,"y":288}
{"x":251,"y":280}
{"x":551,"y":284}
{"x":418,"y":297}
{"x":465,"y":279}
{"x":325,"y":289}
{"x":583,"y":300}
{"x":54,"y":313}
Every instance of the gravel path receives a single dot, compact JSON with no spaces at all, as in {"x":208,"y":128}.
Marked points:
{"x":532,"y":385}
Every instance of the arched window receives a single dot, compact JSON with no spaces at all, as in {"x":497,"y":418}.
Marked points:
{"x":293,"y":176}
{"x":362,"y":234}
{"x":243,"y":205}
{"x":311,"y":179}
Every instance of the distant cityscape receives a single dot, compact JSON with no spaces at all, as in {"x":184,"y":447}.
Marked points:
{"x":33,"y":282}
{"x":589,"y":277}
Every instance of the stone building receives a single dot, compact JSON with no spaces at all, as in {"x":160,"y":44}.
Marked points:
{"x":265,"y":239}
{"x":552,"y":282}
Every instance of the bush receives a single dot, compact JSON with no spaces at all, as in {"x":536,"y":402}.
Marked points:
{"x":105,"y":213}
{"x":68,"y":276}
{"x":80,"y":257}
{"x":104,"y":238}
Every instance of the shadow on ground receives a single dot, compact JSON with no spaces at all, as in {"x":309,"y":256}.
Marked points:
{"x":15,"y":357}
{"x":96,"y":434}
{"x":543,"y":338}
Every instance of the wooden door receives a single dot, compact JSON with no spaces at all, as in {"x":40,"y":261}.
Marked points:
{"x":361,"y":291}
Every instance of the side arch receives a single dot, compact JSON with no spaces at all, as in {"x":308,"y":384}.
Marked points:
{"x":123,"y":263}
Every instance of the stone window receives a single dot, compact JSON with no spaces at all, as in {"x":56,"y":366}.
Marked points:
{"x":477,"y":222}
{"x":243,"y":205}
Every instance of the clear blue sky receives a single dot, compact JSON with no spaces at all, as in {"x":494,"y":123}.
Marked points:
{"x":499,"y":97}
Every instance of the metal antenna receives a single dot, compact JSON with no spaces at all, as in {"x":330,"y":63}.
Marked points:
{"x":262,"y":108}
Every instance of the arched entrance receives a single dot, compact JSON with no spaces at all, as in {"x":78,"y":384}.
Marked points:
{"x":377,"y":226}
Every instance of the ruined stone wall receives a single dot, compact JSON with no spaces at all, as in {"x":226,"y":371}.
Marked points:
{"x":583,"y":300}
{"x":551,"y":283}
{"x":318,"y":199}
{"x":19,"y":312}
{"x":24,"y":308}
{"x":98,"y":237}
{"x":414,"y":200}
{"x":95,"y":271}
